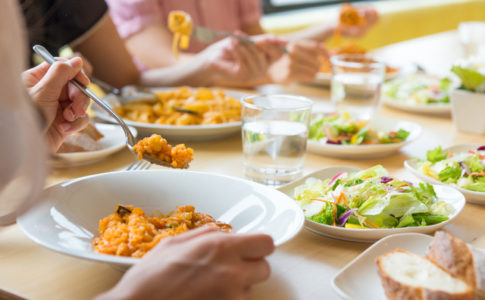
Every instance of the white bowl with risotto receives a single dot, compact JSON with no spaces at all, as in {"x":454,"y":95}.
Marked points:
{"x":67,"y":220}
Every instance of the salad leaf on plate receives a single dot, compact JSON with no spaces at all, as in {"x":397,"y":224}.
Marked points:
{"x":370,"y":199}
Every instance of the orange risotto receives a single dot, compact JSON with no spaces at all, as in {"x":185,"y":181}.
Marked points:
{"x":129,"y":232}
{"x":156,"y":146}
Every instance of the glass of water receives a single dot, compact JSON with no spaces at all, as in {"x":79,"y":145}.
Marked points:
{"x":356,"y":84}
{"x":274,"y":137}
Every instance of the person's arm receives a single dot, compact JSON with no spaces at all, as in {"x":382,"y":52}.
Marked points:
{"x":107,"y":53}
{"x":152,"y":46}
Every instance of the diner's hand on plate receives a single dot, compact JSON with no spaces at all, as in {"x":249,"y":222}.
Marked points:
{"x":201,"y":264}
{"x":63,"y":105}
{"x":301,"y":64}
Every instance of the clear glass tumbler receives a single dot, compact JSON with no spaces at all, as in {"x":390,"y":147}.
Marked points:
{"x":356,"y":84}
{"x":274,"y":137}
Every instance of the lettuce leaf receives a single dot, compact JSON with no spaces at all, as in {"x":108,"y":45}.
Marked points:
{"x":471,"y":80}
{"x":450,"y":174}
{"x":436,"y":154}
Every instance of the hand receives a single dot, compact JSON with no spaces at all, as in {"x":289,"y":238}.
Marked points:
{"x":301,"y":64}
{"x":87,"y":66}
{"x":235,"y":63}
{"x":200,"y":264}
{"x":64,"y":106}
{"x":371,"y":18}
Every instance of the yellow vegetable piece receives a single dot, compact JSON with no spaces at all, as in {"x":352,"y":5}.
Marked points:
{"x":180,"y":24}
{"x":354,"y":226}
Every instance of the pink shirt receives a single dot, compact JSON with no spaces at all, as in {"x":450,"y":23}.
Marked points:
{"x":131,"y":16}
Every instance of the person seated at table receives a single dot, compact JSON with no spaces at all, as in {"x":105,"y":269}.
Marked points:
{"x":143,"y":26}
{"x":88,"y":29}
{"x":213,"y":264}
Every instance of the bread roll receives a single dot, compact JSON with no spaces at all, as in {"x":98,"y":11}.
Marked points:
{"x":407,"y":276}
{"x":460,"y":260}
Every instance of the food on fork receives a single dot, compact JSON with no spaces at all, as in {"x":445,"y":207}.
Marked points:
{"x":349,"y":16}
{"x":184,"y":106}
{"x":156,"y":146}
{"x":180,"y":24}
{"x":128,"y":231}
{"x":459,"y":259}
{"x":408,"y":276}
{"x":82,"y":141}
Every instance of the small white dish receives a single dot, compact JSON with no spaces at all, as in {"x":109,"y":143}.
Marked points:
{"x":471,"y":196}
{"x":113,"y":140}
{"x":467,"y":111}
{"x":368,"y":151}
{"x":359,"y":278}
{"x":448,"y":194}
{"x":67,"y":219}
{"x":176,"y":132}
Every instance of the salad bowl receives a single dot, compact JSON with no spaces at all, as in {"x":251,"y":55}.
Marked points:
{"x":414,"y":166}
{"x":448,"y":195}
{"x":365,"y":151}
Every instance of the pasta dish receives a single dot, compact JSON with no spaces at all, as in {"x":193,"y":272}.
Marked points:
{"x":184,"y":106}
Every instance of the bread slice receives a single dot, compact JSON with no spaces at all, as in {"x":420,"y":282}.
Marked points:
{"x":460,"y":260}
{"x":82,"y":141}
{"x":407,"y":276}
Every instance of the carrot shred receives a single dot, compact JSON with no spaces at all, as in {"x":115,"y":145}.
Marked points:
{"x":372,"y":224}
{"x":366,"y":177}
{"x":326,"y":201}
{"x":450,"y":155}
{"x":344,"y":199}
{"x":471,"y":152}
{"x":477,"y":174}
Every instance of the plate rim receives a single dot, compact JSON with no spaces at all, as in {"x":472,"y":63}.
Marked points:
{"x":129,"y":261}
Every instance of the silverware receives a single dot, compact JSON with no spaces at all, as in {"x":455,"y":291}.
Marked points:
{"x":139,"y":165}
{"x":127,"y":93}
{"x":130,"y":140}
{"x":207,"y":35}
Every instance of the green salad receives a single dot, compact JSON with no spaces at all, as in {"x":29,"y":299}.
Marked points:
{"x":419,"y":89}
{"x":370,"y":199}
{"x":344,"y":129}
{"x":465,"y":170}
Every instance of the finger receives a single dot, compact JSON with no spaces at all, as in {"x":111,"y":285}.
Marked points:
{"x":248,"y":61}
{"x":257,"y":271}
{"x":302,"y":73}
{"x":75,"y":126}
{"x":252,"y":246}
{"x":195,"y":233}
{"x":259,"y":57}
{"x":68,"y":113}
{"x":59,"y":74}
{"x":79,"y":101}
{"x":87,"y":67}
{"x":81,"y":77}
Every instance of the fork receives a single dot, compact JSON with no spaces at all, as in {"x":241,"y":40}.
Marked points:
{"x":207,"y":35}
{"x":139,"y":165}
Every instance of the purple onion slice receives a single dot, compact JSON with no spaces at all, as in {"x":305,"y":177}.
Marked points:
{"x":343,"y":219}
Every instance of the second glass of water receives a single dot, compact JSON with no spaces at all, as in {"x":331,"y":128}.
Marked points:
{"x":274,"y":136}
{"x":356,"y":84}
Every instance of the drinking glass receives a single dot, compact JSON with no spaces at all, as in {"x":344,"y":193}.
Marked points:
{"x":274,"y":137}
{"x":356,"y":84}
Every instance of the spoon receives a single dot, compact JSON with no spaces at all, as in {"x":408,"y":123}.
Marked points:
{"x":130,"y":140}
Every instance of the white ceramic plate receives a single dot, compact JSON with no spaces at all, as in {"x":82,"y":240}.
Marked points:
{"x":67,"y":220}
{"x":114,"y":140}
{"x":471,"y":196}
{"x":325,"y":79}
{"x":368,"y":151}
{"x":429,"y":109}
{"x":448,"y":194}
{"x":359,"y":279}
{"x":175,"y":132}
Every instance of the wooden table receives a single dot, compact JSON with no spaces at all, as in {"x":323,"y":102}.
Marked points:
{"x":303,"y":267}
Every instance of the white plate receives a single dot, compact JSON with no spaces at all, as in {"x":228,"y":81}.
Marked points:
{"x":325,"y":79}
{"x":67,"y":220}
{"x":359,"y":279}
{"x":175,"y":132}
{"x":368,"y":151}
{"x":471,"y":196}
{"x":448,"y":194}
{"x":429,"y":109}
{"x":113,"y":140}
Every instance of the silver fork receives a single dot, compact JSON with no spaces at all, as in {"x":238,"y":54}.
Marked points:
{"x":207,"y":35}
{"x":139,"y":165}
